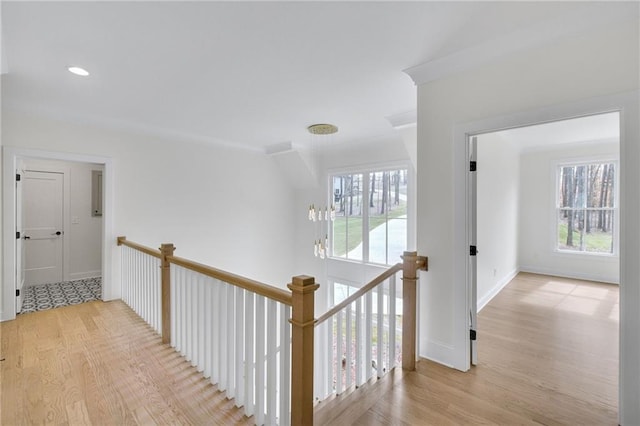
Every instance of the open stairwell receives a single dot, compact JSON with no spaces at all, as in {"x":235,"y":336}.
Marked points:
{"x":262,"y":345}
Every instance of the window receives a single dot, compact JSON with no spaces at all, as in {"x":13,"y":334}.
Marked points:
{"x":371,"y":215}
{"x":586,"y":208}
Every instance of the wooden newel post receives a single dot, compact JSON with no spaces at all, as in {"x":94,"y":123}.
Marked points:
{"x":302,"y":326}
{"x":166,"y":249}
{"x":411,"y":263}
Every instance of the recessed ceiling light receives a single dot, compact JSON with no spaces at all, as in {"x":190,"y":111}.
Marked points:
{"x":78,"y":71}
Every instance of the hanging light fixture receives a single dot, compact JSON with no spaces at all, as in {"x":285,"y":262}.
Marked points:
{"x":318,"y":214}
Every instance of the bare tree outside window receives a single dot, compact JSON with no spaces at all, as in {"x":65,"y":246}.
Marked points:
{"x":586,"y":208}
{"x":371,"y":204}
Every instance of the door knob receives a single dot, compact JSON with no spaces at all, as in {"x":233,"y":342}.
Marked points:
{"x":26,"y":237}
{"x":58,"y":233}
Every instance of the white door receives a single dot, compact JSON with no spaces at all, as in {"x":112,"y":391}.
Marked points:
{"x":473,"y":263}
{"x":43,"y":233}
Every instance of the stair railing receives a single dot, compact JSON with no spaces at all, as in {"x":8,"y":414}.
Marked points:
{"x":361,"y":336}
{"x":253,"y":340}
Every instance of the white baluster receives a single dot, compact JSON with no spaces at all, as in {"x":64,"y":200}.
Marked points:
{"x":222,"y":324}
{"x":215,"y":339}
{"x":201,"y":322}
{"x":380,"y":329}
{"x":230,"y":345}
{"x":285,"y":366}
{"x":329,"y":356}
{"x":272,"y":364}
{"x":392,"y":322}
{"x":183,"y":313}
{"x":239,"y":350}
{"x":368,"y":335}
{"x":338,"y":361}
{"x":174,"y":309}
{"x":146,"y":305}
{"x":359,"y":374}
{"x":249,"y":353}
{"x":158,"y":284}
{"x":207,"y":327}
{"x":260,"y":331}
{"x":188,"y":329}
{"x":349,"y":348}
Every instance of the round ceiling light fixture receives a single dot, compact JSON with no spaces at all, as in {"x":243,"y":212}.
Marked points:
{"x":78,"y":71}
{"x":322,"y":129}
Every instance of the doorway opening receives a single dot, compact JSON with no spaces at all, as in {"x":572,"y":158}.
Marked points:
{"x":543,"y":218}
{"x":60,"y":248}
{"x":13,"y":162}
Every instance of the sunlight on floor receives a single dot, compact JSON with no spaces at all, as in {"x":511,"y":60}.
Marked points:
{"x":579,"y":298}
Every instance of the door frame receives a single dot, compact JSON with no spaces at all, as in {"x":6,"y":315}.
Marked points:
{"x":10,"y":160}
{"x":626,"y":104}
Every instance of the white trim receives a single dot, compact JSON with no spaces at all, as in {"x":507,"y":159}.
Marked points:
{"x":439,"y":352}
{"x":497,"y":288}
{"x":10,"y":157}
{"x":555,"y":177}
{"x":563,"y":274}
{"x":83,"y":275}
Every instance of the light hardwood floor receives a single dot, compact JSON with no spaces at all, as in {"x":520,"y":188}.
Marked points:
{"x":548,"y":352}
{"x":98,"y":363}
{"x":548,"y":355}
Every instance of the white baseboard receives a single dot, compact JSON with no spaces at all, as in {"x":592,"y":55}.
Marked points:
{"x":83,"y":275}
{"x":482,"y":302}
{"x":437,"y":352}
{"x":571,"y":274}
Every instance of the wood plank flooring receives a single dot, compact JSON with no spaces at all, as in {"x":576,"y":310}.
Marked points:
{"x":98,"y":363}
{"x":548,"y":352}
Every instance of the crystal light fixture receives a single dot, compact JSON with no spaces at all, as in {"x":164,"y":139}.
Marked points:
{"x":318,"y":214}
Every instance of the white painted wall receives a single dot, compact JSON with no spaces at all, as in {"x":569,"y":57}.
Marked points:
{"x":537,"y":225}
{"x":565,"y":78}
{"x":221,"y":206}
{"x":83,"y":240}
{"x":498,"y":178}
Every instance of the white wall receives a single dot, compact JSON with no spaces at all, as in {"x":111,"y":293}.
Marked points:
{"x":564,"y":78}
{"x":498,"y":178}
{"x":537,"y":225}
{"x":83,"y":239}
{"x":225,"y":207}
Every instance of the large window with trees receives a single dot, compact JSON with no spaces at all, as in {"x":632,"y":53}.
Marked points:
{"x":586,"y":207}
{"x":371,"y":215}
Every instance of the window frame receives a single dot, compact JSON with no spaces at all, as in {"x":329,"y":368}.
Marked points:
{"x":365,"y":171}
{"x":557,"y":165}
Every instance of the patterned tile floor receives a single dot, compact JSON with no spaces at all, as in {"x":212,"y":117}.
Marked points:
{"x":47,"y":296}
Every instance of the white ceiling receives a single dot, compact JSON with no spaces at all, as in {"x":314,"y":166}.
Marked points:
{"x":248,"y":74}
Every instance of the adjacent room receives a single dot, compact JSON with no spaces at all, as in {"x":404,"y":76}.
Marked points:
{"x":548,"y":256}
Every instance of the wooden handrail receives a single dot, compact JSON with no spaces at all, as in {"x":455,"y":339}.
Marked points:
{"x":257,"y":287}
{"x":122,"y":241}
{"x":361,"y":291}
